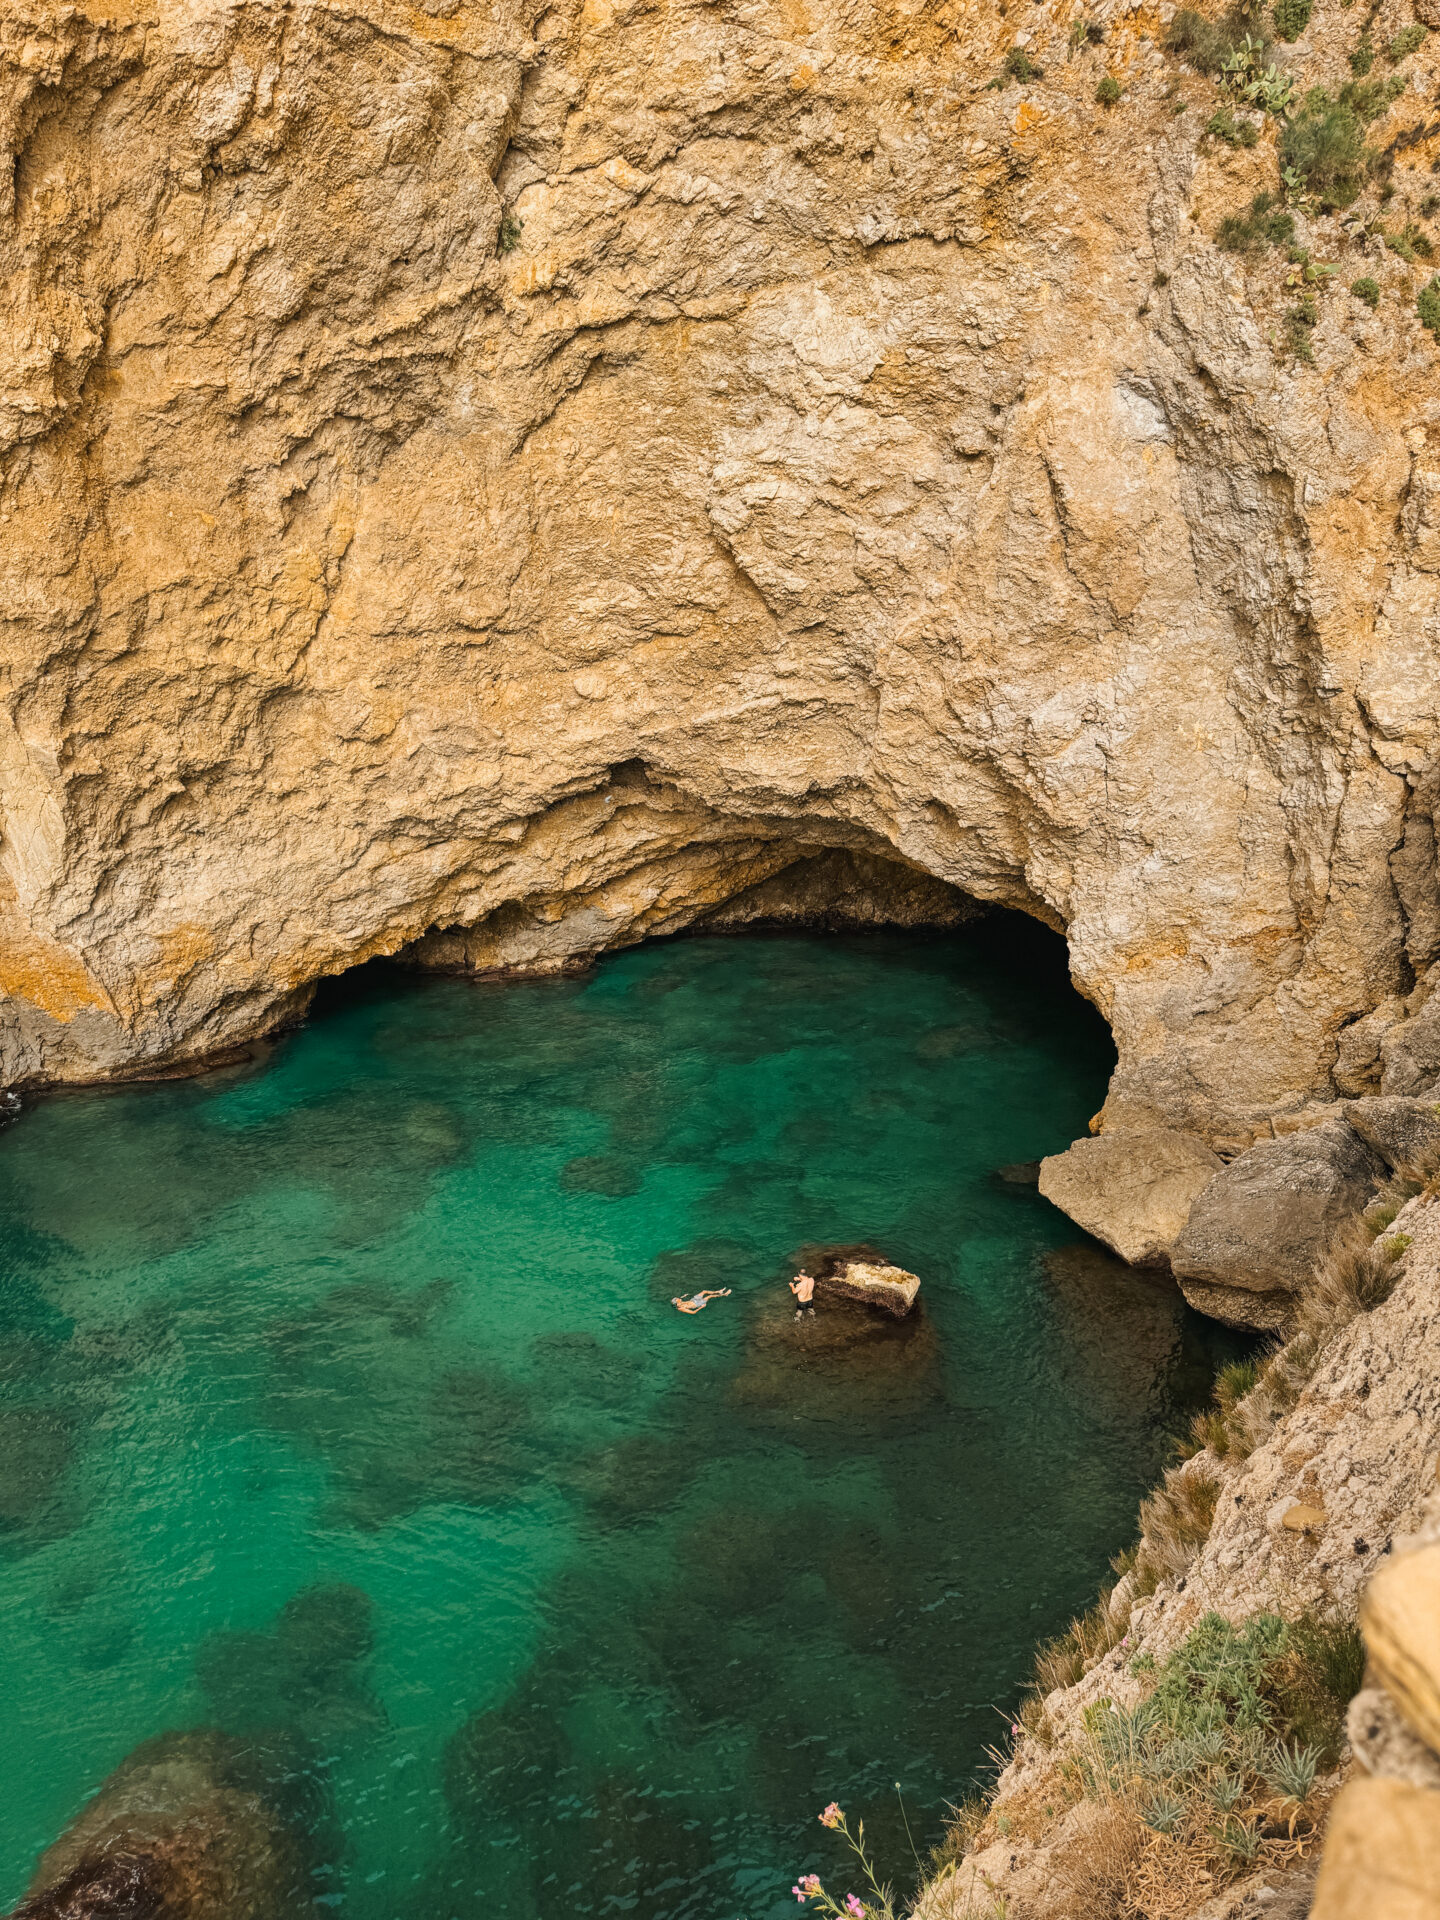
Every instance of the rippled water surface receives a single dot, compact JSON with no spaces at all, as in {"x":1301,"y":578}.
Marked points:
{"x":343,"y":1408}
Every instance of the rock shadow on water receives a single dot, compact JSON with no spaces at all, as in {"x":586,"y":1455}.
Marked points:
{"x":195,"y":1825}
{"x":577,"y":1368}
{"x":38,"y":1500}
{"x":602,"y":1173}
{"x":1125,"y":1338}
{"x":537,"y":1818}
{"x":305,"y":1674}
{"x":368,"y":1377}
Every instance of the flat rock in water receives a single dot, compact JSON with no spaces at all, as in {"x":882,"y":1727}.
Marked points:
{"x":871,"y":1283}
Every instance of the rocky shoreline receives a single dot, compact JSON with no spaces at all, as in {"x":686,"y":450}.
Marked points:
{"x":1316,"y":1479}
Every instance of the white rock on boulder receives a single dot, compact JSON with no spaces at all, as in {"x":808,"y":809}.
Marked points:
{"x":891,"y":1289}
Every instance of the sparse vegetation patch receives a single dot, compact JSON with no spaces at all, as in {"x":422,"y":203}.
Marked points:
{"x":1262,"y":224}
{"x":1323,"y":147}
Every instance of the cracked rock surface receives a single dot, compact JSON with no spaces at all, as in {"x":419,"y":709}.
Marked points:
{"x":510,"y":477}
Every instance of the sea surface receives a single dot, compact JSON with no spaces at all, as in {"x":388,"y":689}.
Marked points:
{"x":343,"y":1408}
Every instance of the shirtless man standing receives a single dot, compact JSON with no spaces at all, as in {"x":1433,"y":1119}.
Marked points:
{"x":803,"y":1288}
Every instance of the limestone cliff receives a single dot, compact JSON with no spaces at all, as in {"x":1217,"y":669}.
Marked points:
{"x":513,"y":476}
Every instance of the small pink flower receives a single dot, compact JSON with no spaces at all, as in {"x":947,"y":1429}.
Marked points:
{"x":831,"y":1816}
{"x":854,"y":1908}
{"x":1016,"y":1730}
{"x":808,"y":1888}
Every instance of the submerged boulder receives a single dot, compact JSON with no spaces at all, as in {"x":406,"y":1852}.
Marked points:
{"x":846,"y":1367}
{"x":191,"y":1826}
{"x":1258,"y":1228}
{"x":1134,"y":1191}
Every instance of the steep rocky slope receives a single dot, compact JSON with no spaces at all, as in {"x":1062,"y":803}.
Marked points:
{"x":514,"y":477}
{"x":1341,"y":1481}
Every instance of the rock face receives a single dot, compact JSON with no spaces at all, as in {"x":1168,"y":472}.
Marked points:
{"x":1382,"y":1855}
{"x":1134,"y":1191}
{"x":493,"y":480}
{"x":1401,"y":1618}
{"x":1405,"y":1133}
{"x":1382,"y":1850}
{"x":1261,"y":1224}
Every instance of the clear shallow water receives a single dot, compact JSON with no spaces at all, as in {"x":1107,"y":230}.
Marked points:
{"x":343,"y":1408}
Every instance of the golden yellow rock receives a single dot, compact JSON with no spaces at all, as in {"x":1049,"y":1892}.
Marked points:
{"x":1303,"y":1519}
{"x":489,"y":481}
{"x":1382,"y":1854}
{"x":1400,"y":1617}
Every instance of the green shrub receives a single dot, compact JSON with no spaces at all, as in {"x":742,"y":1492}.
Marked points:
{"x":1406,"y":42}
{"x":1325,"y":148}
{"x":1245,"y":72}
{"x":1412,"y":243}
{"x":1292,"y":17}
{"x":1218,"y":1676}
{"x":1368,"y":99}
{"x":1300,"y":322}
{"x":1235,"y":133}
{"x":1086,"y":33}
{"x":1362,"y":59}
{"x":1199,"y":43}
{"x":1367,"y":290}
{"x":1427,"y":305}
{"x":1205,"y":45}
{"x":1262,"y":224}
{"x":1108,"y":91}
{"x":1020,"y":66}
{"x":508,"y":237}
{"x":1318,"y":1672}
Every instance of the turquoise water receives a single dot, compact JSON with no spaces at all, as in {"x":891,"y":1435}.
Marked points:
{"x":344,"y":1409}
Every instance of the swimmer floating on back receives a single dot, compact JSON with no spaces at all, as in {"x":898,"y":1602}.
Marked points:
{"x":695,"y":1302}
{"x":803,"y":1288}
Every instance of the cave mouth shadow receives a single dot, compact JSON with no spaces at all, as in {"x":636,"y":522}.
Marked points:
{"x":813,"y":896}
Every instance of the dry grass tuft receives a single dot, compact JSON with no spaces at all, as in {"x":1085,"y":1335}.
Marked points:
{"x":1175,"y":1520}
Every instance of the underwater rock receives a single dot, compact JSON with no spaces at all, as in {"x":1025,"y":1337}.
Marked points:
{"x":1020,"y":1173}
{"x":304,"y":1674}
{"x":848,"y":1364}
{"x":191,"y":1826}
{"x":37,"y":1445}
{"x":1134,"y":1191}
{"x":603,"y":1173}
{"x":867,"y":1278}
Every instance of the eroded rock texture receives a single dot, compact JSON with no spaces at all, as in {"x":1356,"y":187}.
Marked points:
{"x":822,"y":467}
